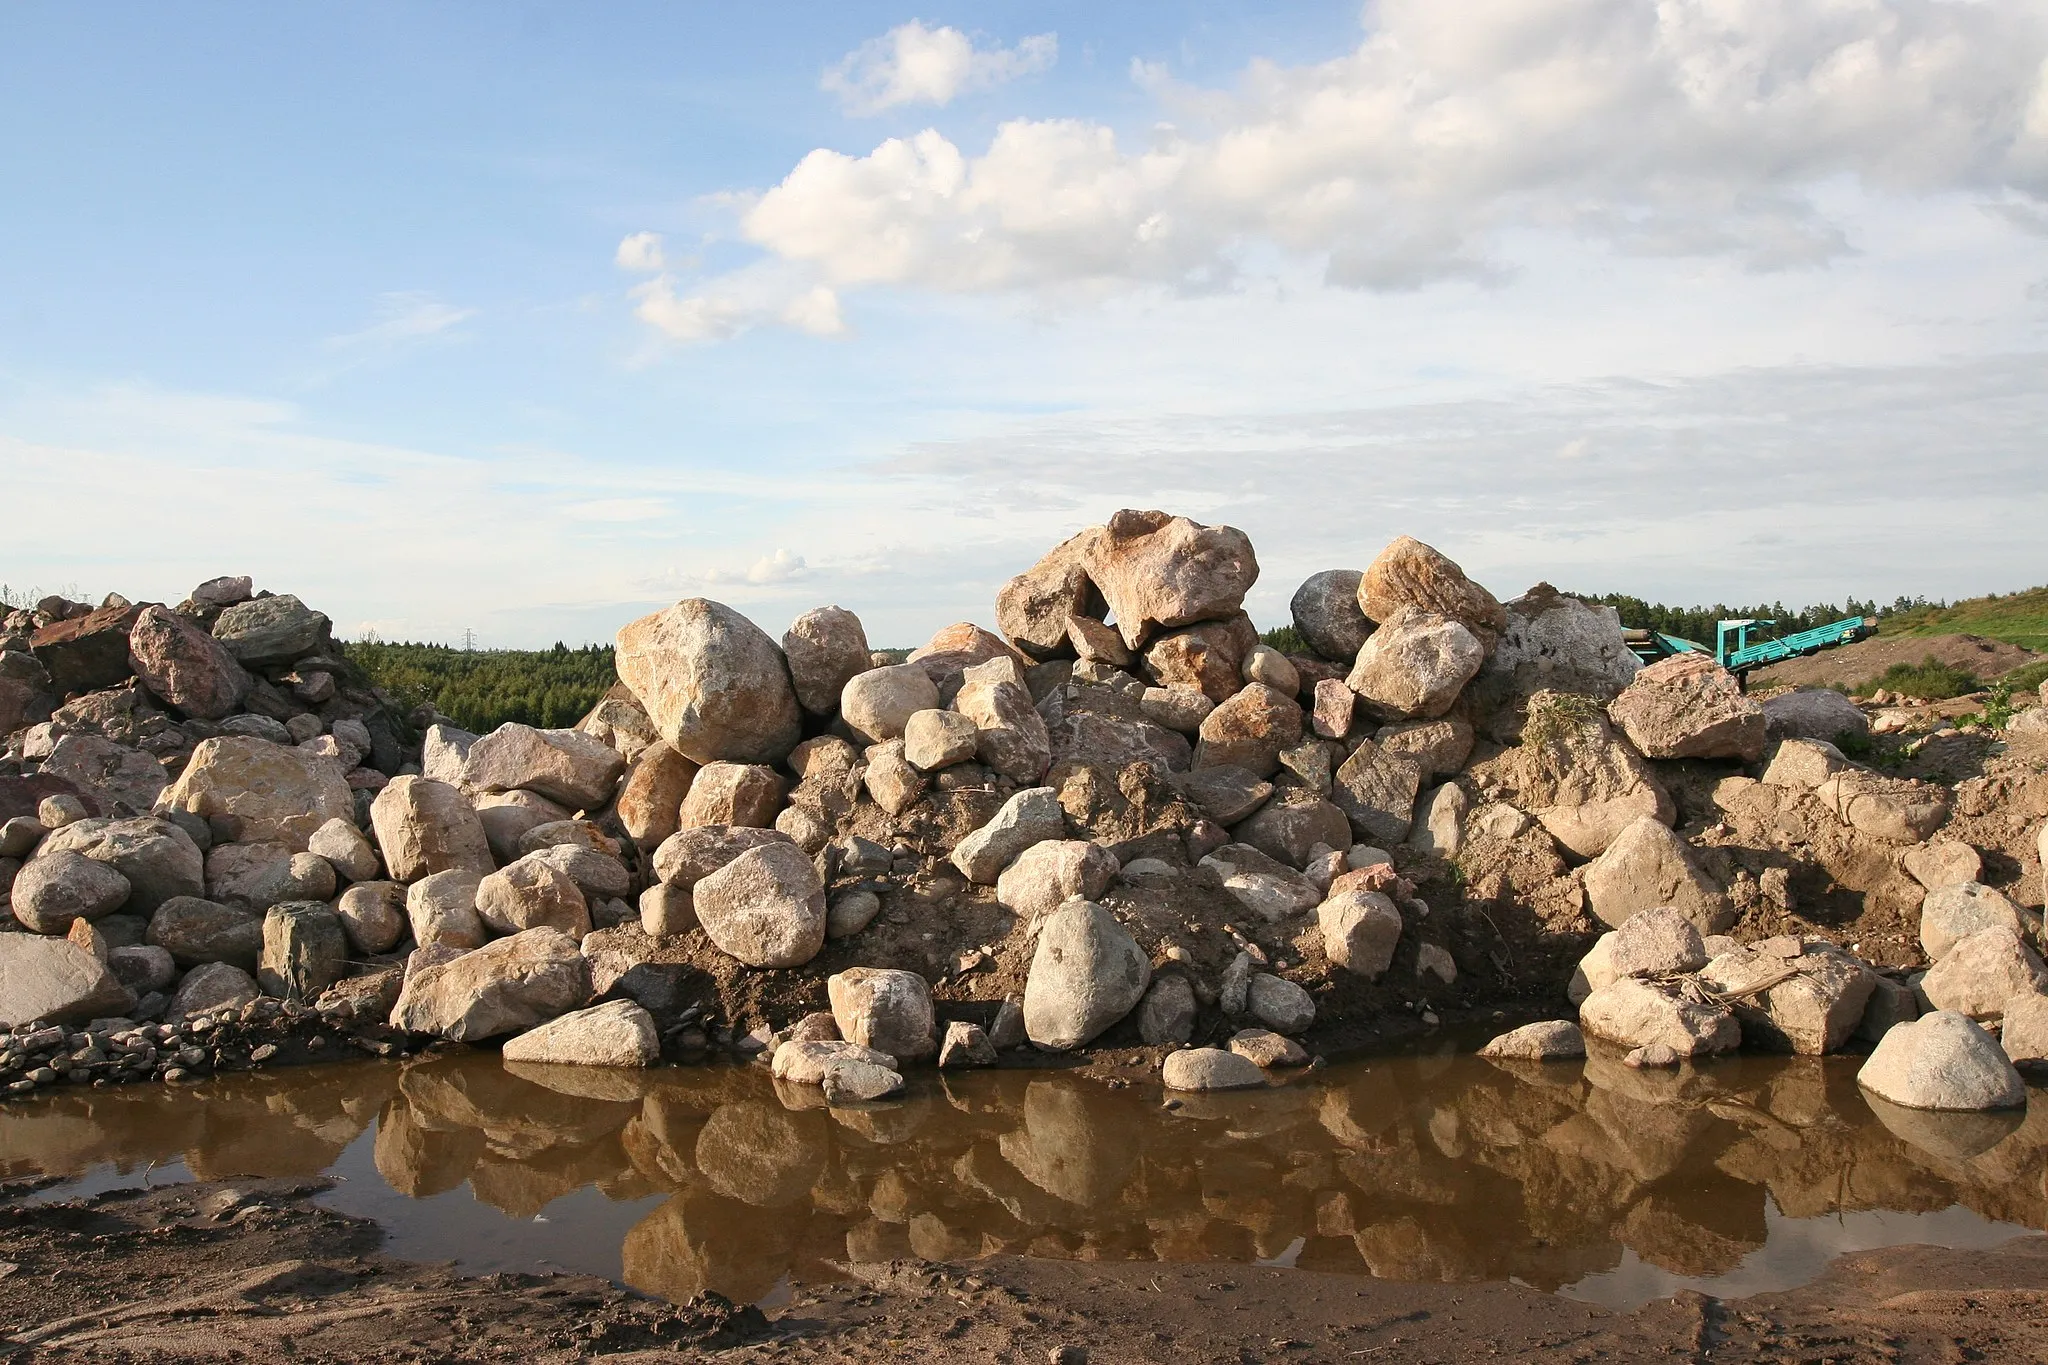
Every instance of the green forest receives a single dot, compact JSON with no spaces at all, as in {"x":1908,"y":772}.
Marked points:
{"x":482,"y":689}
{"x":1698,"y":623}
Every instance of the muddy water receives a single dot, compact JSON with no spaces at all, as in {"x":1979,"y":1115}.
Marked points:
{"x":1590,"y":1180}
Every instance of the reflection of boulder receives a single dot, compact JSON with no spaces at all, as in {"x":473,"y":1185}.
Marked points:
{"x":515,"y":1115}
{"x":889,"y":1122}
{"x":699,"y":1242}
{"x":272,"y":1125}
{"x":1947,"y":1135}
{"x":1406,"y":1249}
{"x":1698,"y":1226}
{"x":983,"y":1168}
{"x":1076,"y":1142}
{"x":523,"y":1186}
{"x":618,"y":1085}
{"x":1650,"y":1140}
{"x":418,"y":1161}
{"x":759,"y":1153}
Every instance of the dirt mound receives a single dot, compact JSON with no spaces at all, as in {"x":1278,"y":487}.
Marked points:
{"x":1854,"y":665}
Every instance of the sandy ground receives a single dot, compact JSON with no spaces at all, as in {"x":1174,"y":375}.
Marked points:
{"x":253,"y":1270}
{"x":1854,"y":665}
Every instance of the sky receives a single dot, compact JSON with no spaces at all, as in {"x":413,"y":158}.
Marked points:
{"x":529,"y":318}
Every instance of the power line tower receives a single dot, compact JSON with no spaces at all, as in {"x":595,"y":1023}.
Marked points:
{"x":468,"y":641}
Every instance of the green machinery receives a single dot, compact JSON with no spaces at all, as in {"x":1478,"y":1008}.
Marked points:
{"x":1736,"y":650}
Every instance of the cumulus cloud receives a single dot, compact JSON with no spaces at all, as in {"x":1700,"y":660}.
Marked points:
{"x":1684,"y":129}
{"x":729,"y":304}
{"x":641,"y":252}
{"x":772,"y":570}
{"x":912,"y":64}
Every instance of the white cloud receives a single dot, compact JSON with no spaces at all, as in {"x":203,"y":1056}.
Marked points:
{"x":640,"y":253}
{"x":401,"y":318}
{"x":736,"y":302}
{"x":783,"y":566}
{"x":618,"y":509}
{"x":912,"y":64}
{"x":1689,"y":128}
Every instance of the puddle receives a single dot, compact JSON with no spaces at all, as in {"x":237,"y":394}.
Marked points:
{"x":1599,"y":1182}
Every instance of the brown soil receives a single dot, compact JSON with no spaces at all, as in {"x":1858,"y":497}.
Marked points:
{"x":255,"y":1270}
{"x":1854,"y":665}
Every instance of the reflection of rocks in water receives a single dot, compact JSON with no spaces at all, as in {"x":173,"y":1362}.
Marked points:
{"x":1077,"y":1142}
{"x":516,"y":1116}
{"x":419,"y":1161}
{"x":279,"y":1124}
{"x":619,"y":1085}
{"x":1651,"y":1141}
{"x":1359,"y":1113}
{"x":986,"y":1168}
{"x":1696,"y":1226}
{"x":1951,"y":1138}
{"x":759,"y":1153}
{"x":874,"y":1240}
{"x":523,"y":1186}
{"x":2009,"y":1181}
{"x":698,"y":1242}
{"x":890,"y":1121}
{"x":1251,"y":1114}
{"x":1405,"y":1248}
{"x":68,"y":1132}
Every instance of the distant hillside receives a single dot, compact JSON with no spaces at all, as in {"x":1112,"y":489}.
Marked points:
{"x":484,"y":688}
{"x":2018,"y":618}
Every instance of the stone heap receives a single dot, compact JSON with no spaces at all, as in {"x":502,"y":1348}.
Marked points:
{"x":1120,"y":818}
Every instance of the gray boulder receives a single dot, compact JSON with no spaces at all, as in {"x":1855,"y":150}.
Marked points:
{"x":52,"y":891}
{"x":197,"y":931}
{"x":1031,"y":816}
{"x":1814,"y":713}
{"x":1166,"y":1014}
{"x":159,"y":860}
{"x":272,"y":630}
{"x":373,"y":916}
{"x":1087,"y":973}
{"x":1949,"y":914}
{"x":616,"y":1033}
{"x":503,"y":987}
{"x":825,"y":648}
{"x":54,"y":980}
{"x":567,"y":766}
{"x":1326,"y":612}
{"x":1547,"y":1041}
{"x":1648,"y":865}
{"x":1942,"y":1061}
{"x":713,"y":683}
{"x":304,"y":950}
{"x":211,"y":987}
{"x":1279,"y":1004}
{"x":766,"y":907}
{"x":887,"y":1010}
{"x":1981,"y":972}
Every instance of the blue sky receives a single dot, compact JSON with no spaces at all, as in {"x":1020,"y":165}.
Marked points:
{"x":531,"y":318}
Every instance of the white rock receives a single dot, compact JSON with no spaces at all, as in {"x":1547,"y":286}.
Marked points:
{"x":616,"y":1033}
{"x":766,"y":907}
{"x":1942,"y":1061}
{"x":1199,"y":1069}
{"x":1087,"y":973}
{"x":1031,"y":816}
{"x":884,"y":1009}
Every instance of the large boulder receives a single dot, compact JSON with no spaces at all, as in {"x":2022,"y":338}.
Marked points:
{"x":1292,"y":824}
{"x":373,"y":915}
{"x":1580,"y":782}
{"x":1327,"y":615}
{"x":1814,"y":713}
{"x":1439,"y":747}
{"x":616,"y":1033}
{"x":1636,"y":1013}
{"x":651,"y":800}
{"x":196,"y":932}
{"x":1415,"y":665}
{"x":766,"y":907}
{"x":825,"y":648}
{"x":304,"y":950}
{"x":444,"y":752}
{"x":1208,"y":656}
{"x":567,"y":766}
{"x":1656,"y":942}
{"x":503,"y":987}
{"x":1945,"y":862}
{"x":1199,"y":1069}
{"x":423,"y":827}
{"x":1360,"y":931}
{"x":346,"y":849}
{"x":86,"y":653}
{"x":1011,"y":737}
{"x":1158,"y":571}
{"x":258,"y":876}
{"x":272,"y":630}
{"x":1942,"y":1061}
{"x":1225,"y":792}
{"x":887,"y":1010}
{"x":1376,"y":790}
{"x":1649,"y":865}
{"x":113,"y":775}
{"x":532,"y":893}
{"x":877,"y":704}
{"x":1250,"y":730}
{"x":1087,"y":973}
{"x":1410,"y":574}
{"x":440,"y":908}
{"x":1552,"y":642}
{"x":55,"y":890}
{"x":1981,"y":972}
{"x":54,"y":980}
{"x":1803,"y":764}
{"x":939,"y":739}
{"x":1046,"y":876}
{"x":273,"y":793}
{"x":1897,"y":810}
{"x":211,"y":987}
{"x":1950,"y":914}
{"x":1033,"y":608}
{"x":159,"y":860}
{"x":946,"y":657}
{"x":184,"y":666}
{"x":1031,"y":816}
{"x":1790,"y":995}
{"x":716,"y":687}
{"x":732,"y":794}
{"x":1688,"y":706}
{"x":690,"y":855}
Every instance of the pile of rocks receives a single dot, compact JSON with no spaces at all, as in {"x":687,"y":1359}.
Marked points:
{"x":1123,"y":820}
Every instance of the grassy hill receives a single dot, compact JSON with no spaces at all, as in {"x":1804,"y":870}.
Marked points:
{"x":2019,"y":618}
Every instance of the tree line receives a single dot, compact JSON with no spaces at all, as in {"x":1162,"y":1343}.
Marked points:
{"x":482,"y":689}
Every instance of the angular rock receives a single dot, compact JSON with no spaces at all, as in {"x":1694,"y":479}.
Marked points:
{"x":576,"y":770}
{"x":2023,"y":1032}
{"x":598,"y":875}
{"x":1094,"y":642}
{"x":197,"y":931}
{"x":209,"y":988}
{"x":1291,"y":825}
{"x":1046,"y":876}
{"x":877,"y":705}
{"x":1326,"y":613}
{"x":766,"y":907}
{"x":1648,"y":865}
{"x":1688,"y":706}
{"x":159,"y":859}
{"x":1552,"y":642}
{"x":1360,"y":931}
{"x":1632,"y":1012}
{"x":1376,"y":791}
{"x":1581,"y":783}
{"x":1552,"y":1040}
{"x":1224,"y":792}
{"x":56,"y":889}
{"x":946,"y":657}
{"x":1031,"y":816}
{"x":851,"y":1082}
{"x":444,"y":753}
{"x":304,"y":950}
{"x":1166,"y":1013}
{"x":890,"y":779}
{"x":508,"y":817}
{"x":965,"y":1045}
{"x":1249,"y":730}
{"x":1439,"y":825}
{"x":1803,"y":764}
{"x":691,"y":855}
{"x":423,"y":827}
{"x":184,"y":666}
{"x":1415,"y":665}
{"x":1409,"y":573}
{"x":884,"y":1009}
{"x":344,"y":848}
{"x":1087,"y":973}
{"x":1011,"y":736}
{"x":1279,"y":1004}
{"x":503,"y":987}
{"x":1891,"y":1003}
{"x":651,"y":800}
{"x":1199,"y":1069}
{"x":1942,"y":1061}
{"x":850,"y":912}
{"x":616,"y":1033}
{"x":114,"y":775}
{"x":825,"y":648}
{"x":1155,"y":571}
{"x":1895,"y":809}
{"x":1438,"y":747}
{"x":1333,"y":705}
{"x":1661,"y":941}
{"x":1981,"y":972}
{"x":805,"y":1061}
{"x":86,"y":653}
{"x":939,"y":739}
{"x":54,"y":980}
{"x":1033,"y":608}
{"x":715,"y":686}
{"x":272,"y":630}
{"x":258,"y":876}
{"x":373,"y":916}
{"x":273,"y":793}
{"x":1265,"y":1049}
{"x":1208,"y":656}
{"x":1809,"y":1003}
{"x":142,"y":968}
{"x":1950,"y":914}
{"x":532,"y":893}
{"x":733,"y":794}
{"x":1942,"y":863}
{"x":1814,"y":713}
